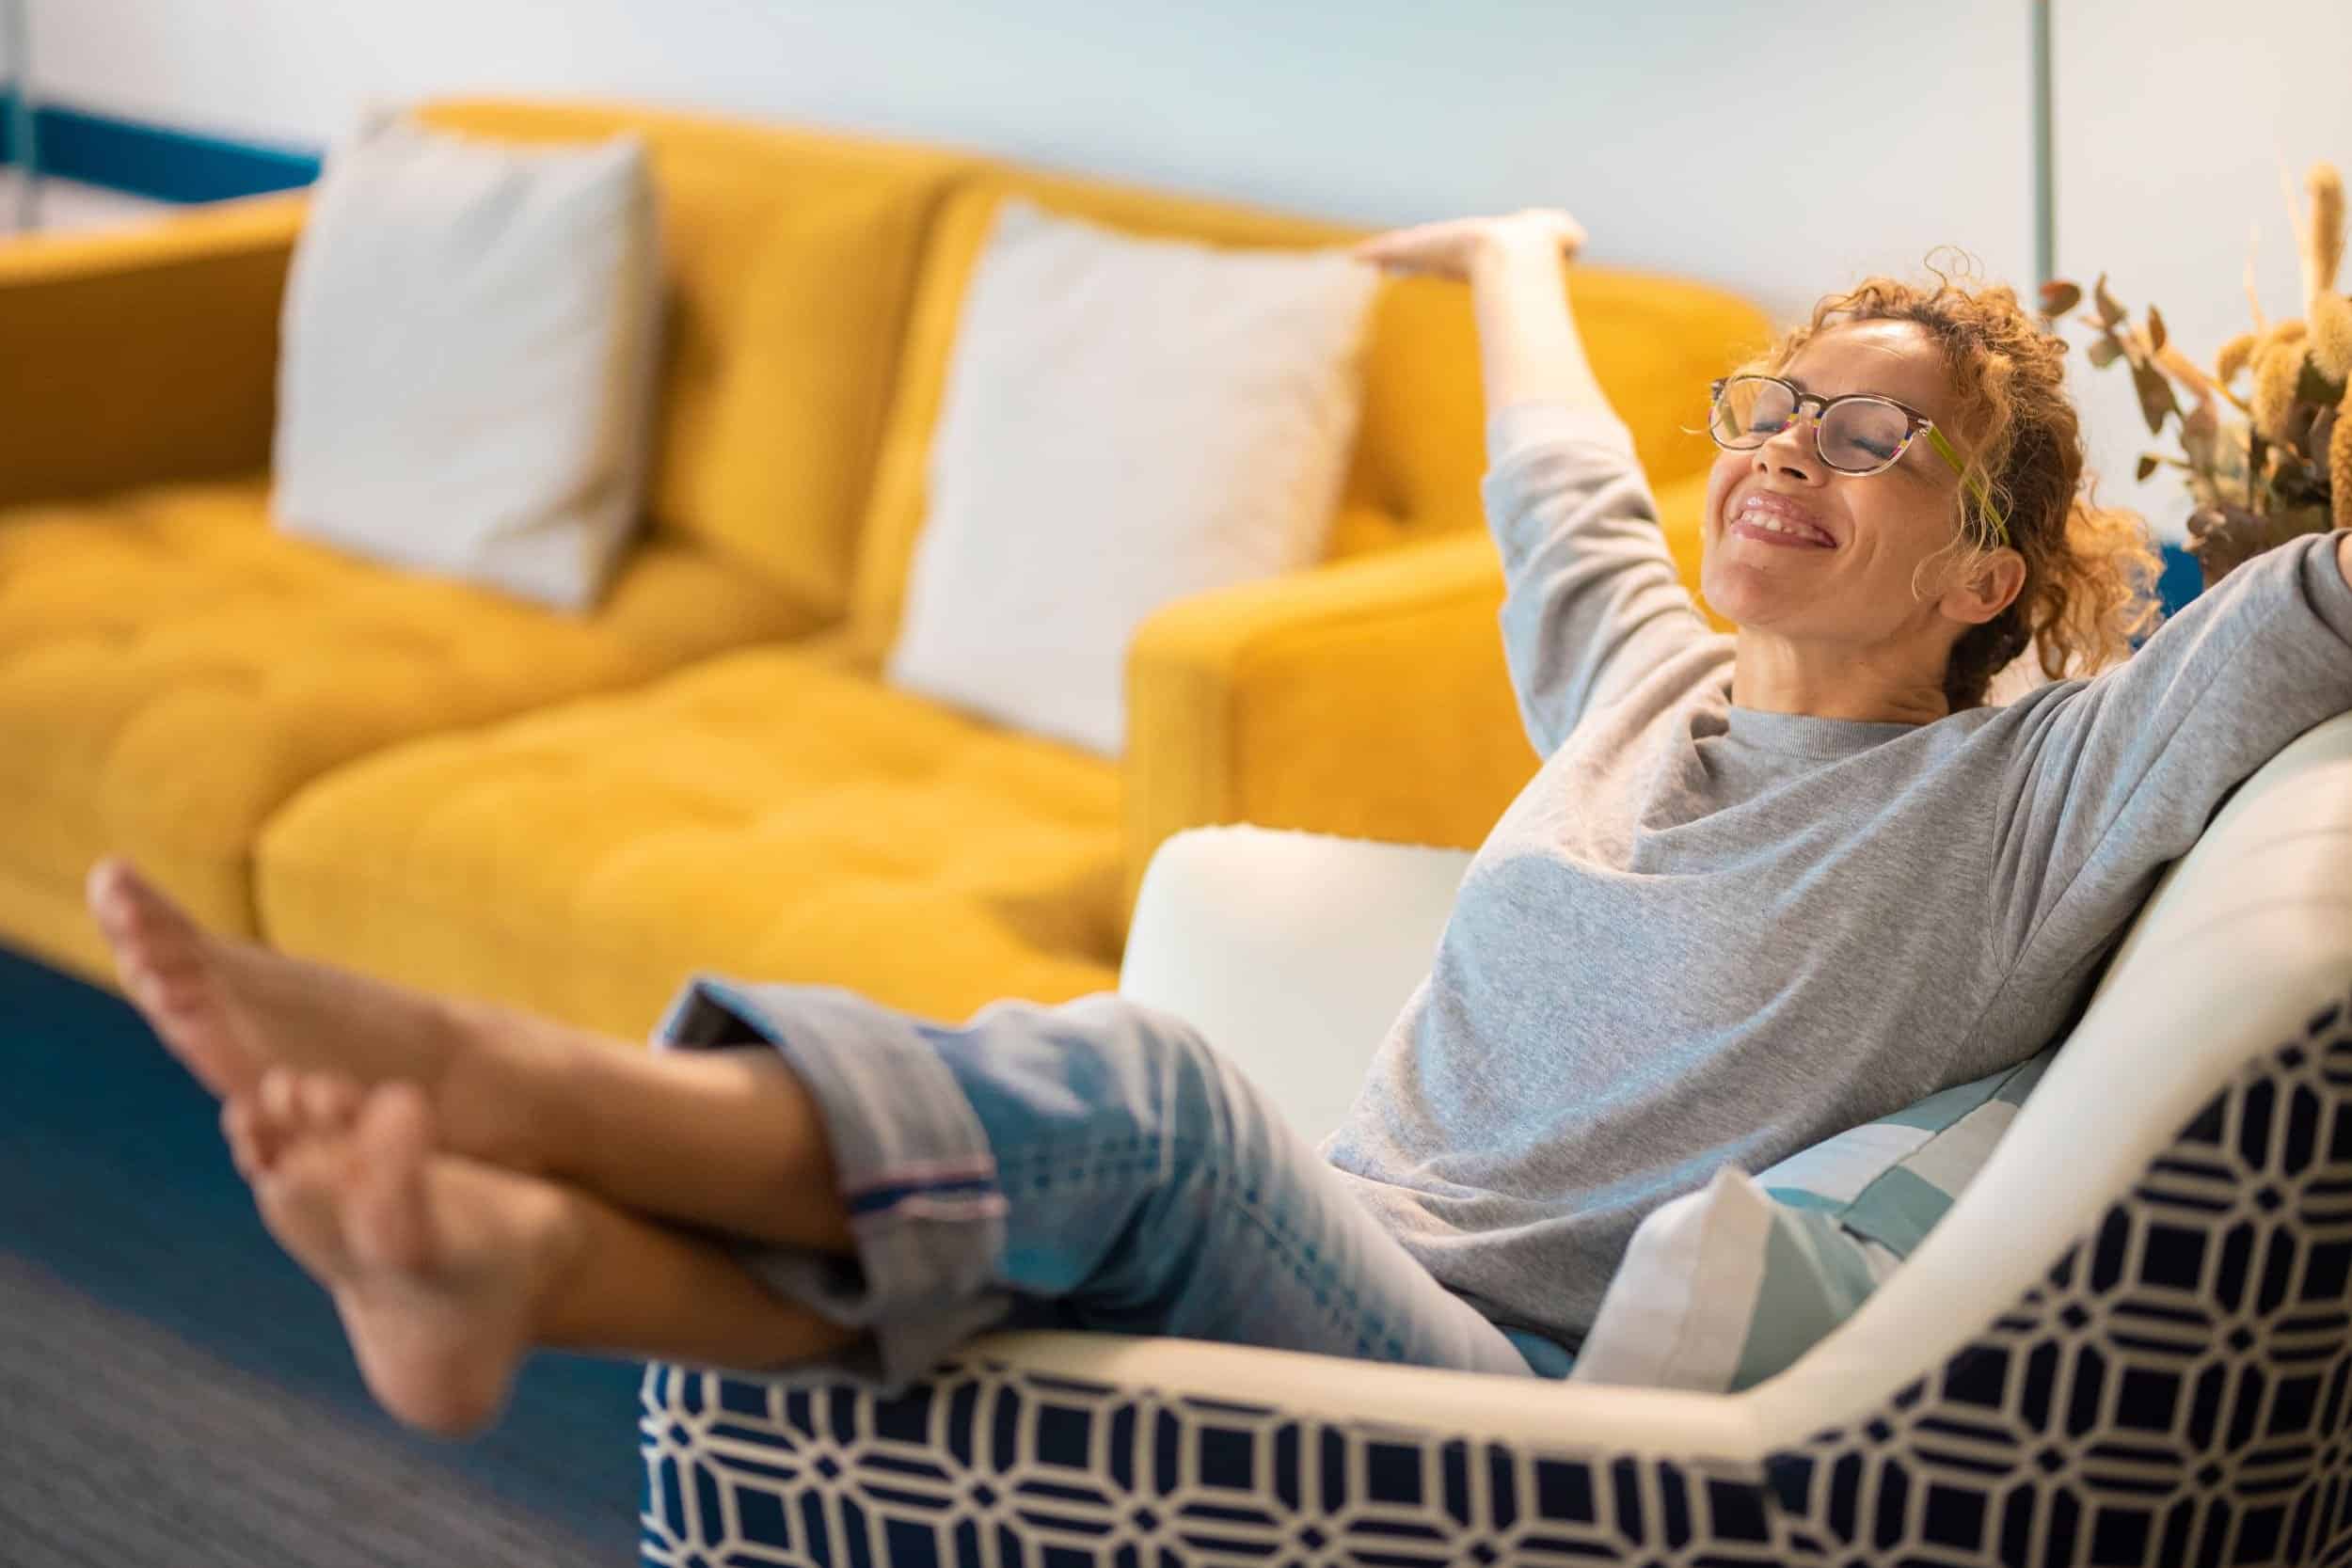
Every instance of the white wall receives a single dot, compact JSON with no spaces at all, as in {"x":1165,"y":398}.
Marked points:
{"x":2174,"y":117}
{"x":1783,"y":153}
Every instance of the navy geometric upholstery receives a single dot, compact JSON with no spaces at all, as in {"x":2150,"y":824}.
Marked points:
{"x":2173,"y":1391}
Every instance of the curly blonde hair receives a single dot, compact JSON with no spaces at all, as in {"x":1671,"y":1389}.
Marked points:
{"x":2090,"y":571}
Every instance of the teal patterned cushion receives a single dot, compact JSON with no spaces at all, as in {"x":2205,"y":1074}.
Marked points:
{"x":1723,"y":1287}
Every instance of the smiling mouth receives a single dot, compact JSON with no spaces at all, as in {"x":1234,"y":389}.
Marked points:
{"x":1772,"y":524}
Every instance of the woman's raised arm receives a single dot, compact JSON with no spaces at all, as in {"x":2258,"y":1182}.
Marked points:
{"x":1594,"y":601}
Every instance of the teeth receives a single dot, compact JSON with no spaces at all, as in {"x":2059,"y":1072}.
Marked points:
{"x":1756,"y":517}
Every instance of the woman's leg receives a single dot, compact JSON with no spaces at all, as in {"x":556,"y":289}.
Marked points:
{"x":1089,"y":1165}
{"x":1092,"y":1164}
{"x":448,"y":1271}
{"x":728,"y":1143}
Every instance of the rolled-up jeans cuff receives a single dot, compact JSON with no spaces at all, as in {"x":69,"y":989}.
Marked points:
{"x":926,"y":1214}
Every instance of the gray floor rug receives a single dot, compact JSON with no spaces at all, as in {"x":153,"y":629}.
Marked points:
{"x":123,"y":1444}
{"x":174,"y":1390}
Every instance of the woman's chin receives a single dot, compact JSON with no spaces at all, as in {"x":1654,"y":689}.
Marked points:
{"x":1731,"y":594}
{"x":1747,"y":603}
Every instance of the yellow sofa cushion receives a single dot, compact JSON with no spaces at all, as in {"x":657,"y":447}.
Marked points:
{"x":775,"y":815}
{"x":791,"y":257}
{"x":173,"y":669}
{"x":1655,"y":343}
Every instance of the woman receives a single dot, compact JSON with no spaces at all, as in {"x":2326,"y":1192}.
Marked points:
{"x":1763,"y":888}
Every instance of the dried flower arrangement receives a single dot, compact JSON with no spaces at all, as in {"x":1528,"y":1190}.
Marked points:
{"x":2275,"y":461}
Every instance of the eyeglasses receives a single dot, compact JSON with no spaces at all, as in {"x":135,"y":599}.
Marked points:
{"x":1859,"y":434}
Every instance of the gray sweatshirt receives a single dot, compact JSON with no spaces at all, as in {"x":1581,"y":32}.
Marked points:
{"x":1709,"y":935}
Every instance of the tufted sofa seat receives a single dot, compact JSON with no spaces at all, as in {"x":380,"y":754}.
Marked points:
{"x":774,"y":812}
{"x":173,"y":669}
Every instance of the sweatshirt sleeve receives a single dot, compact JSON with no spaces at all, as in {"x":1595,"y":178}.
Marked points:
{"x":2114,"y":778}
{"x":1592,"y":597}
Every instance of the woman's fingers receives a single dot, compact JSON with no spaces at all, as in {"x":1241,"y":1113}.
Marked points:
{"x":1391,"y":246}
{"x":1446,"y":248}
{"x":1443,"y":248}
{"x":1564,"y":229}
{"x":1550,"y":223}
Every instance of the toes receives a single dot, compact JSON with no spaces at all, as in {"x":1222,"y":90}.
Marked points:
{"x":397,"y":1120}
{"x":385,"y":1221}
{"x":107,"y":893}
{"x":127,"y":906}
{"x":268,"y":1117}
{"x":168,"y":969}
{"x":278,"y":1097}
{"x":170,"y":994}
{"x":291,"y":1103}
{"x":327,"y":1100}
{"x":285,"y":1107}
{"x":250,"y":1147}
{"x":154,"y":943}
{"x":269,"y":1197}
{"x":297,"y":1195}
{"x":286,"y":1192}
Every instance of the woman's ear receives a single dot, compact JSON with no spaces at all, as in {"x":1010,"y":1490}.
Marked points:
{"x":1995,"y":582}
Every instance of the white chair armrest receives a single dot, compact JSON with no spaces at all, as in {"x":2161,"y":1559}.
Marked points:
{"x":1291,"y":953}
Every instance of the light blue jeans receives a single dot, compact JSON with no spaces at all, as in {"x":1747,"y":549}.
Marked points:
{"x":1091,"y":1165}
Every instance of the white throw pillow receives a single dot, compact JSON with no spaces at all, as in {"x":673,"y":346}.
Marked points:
{"x":1126,"y":422}
{"x":466,"y":365}
{"x":1725,"y":1287}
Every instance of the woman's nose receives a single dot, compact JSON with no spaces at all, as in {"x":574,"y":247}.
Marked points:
{"x":1795,"y":450}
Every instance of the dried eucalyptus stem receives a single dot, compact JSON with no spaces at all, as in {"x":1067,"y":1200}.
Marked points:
{"x":2275,"y":461}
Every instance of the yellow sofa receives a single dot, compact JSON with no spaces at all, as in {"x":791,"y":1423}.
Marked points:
{"x":435,"y":785}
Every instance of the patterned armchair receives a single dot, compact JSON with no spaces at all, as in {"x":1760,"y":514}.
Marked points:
{"x":2130,"y":1341}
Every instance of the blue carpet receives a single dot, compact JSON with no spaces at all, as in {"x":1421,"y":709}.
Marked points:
{"x":114,"y":1183}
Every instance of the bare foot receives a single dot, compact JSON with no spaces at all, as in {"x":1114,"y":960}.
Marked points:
{"x":440,"y":1265}
{"x":230,"y":1012}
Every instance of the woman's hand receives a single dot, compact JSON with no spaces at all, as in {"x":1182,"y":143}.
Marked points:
{"x":1528,"y":346}
{"x":1447,"y":249}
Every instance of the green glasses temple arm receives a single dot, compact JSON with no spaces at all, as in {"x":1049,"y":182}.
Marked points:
{"x":1976,"y":483}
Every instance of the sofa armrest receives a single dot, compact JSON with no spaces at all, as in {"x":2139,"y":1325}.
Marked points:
{"x":1367,"y":698}
{"x":143,"y":354}
{"x":1291,"y":953}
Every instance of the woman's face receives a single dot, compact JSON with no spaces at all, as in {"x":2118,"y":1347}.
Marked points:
{"x":1859,"y":589}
